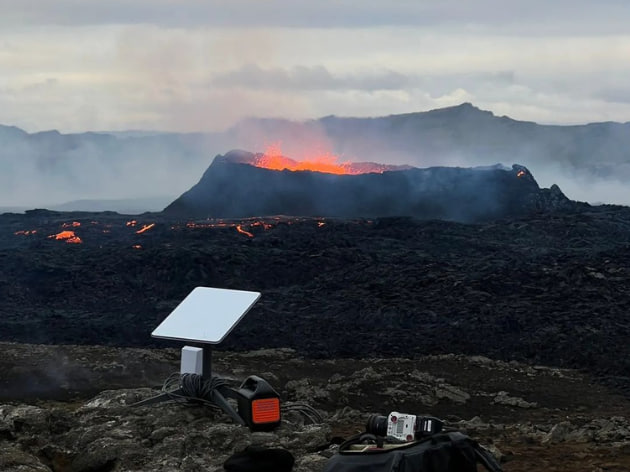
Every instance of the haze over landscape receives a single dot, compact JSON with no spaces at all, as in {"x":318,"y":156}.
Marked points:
{"x":136,"y":172}
{"x":219,"y":75}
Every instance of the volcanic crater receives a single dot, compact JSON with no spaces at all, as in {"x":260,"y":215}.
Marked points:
{"x":242,"y":184}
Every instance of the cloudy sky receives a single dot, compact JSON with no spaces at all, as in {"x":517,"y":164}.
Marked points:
{"x":199,"y":65}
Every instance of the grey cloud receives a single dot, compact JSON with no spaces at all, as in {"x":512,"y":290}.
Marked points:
{"x":308,"y":78}
{"x":252,"y":76}
{"x":440,"y":84}
{"x":40,"y":86}
{"x":579,"y":16}
{"x":614,"y":95}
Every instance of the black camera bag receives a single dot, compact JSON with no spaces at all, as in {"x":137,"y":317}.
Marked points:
{"x":260,"y":459}
{"x":442,"y":452}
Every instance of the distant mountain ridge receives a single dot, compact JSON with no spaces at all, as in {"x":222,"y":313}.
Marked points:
{"x":465,"y":131}
{"x":47,"y":168}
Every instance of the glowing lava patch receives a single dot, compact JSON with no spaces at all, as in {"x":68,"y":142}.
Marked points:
{"x":67,"y":236}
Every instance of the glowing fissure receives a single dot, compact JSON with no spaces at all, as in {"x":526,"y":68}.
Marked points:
{"x":245,"y":227}
{"x":326,"y":164}
{"x":145,"y":228}
{"x":240,"y":229}
{"x":321,"y":162}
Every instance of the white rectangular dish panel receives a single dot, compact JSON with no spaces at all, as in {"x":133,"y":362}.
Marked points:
{"x":206,"y":315}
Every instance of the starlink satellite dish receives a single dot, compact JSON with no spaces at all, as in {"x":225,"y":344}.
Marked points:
{"x":206,"y":315}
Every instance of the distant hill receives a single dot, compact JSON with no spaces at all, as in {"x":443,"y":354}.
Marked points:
{"x":132,"y":206}
{"x":590,"y":162}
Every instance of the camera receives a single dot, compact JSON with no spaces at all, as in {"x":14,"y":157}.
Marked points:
{"x":403,"y":426}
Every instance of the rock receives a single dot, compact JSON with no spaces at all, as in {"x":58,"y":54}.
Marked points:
{"x":304,"y":390}
{"x":107,"y":435}
{"x":454,"y":394}
{"x":13,"y":459}
{"x":560,"y":432}
{"x":310,"y":463}
{"x":503,"y":398}
{"x":104,"y":432}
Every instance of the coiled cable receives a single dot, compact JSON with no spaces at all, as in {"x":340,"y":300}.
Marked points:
{"x":194,"y":387}
{"x":305,"y":410}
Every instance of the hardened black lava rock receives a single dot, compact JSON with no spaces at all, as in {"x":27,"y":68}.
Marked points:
{"x":234,"y":188}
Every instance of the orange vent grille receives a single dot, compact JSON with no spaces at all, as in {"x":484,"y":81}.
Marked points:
{"x":266,"y":410}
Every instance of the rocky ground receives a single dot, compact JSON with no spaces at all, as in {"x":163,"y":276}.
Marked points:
{"x":67,"y":408}
{"x":379,"y":315}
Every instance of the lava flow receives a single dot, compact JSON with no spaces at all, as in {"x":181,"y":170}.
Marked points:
{"x":249,"y":227}
{"x":325,"y":162}
{"x":240,"y":229}
{"x":145,"y":228}
{"x":67,"y":236}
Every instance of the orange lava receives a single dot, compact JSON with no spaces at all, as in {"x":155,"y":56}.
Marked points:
{"x":145,"y":228}
{"x":520,"y":173}
{"x":240,"y":229}
{"x":74,"y":224}
{"x":327,"y":164}
{"x":262,"y":223}
{"x":67,"y":236}
{"x":191,"y":224}
{"x":25,"y":232}
{"x":322,"y":162}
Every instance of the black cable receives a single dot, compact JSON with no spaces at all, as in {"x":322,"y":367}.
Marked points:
{"x":306,"y":410}
{"x":193,"y":387}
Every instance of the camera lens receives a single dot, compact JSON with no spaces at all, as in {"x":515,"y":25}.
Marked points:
{"x":377,"y":425}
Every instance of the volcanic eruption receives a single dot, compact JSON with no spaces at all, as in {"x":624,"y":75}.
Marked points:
{"x":242,"y":184}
